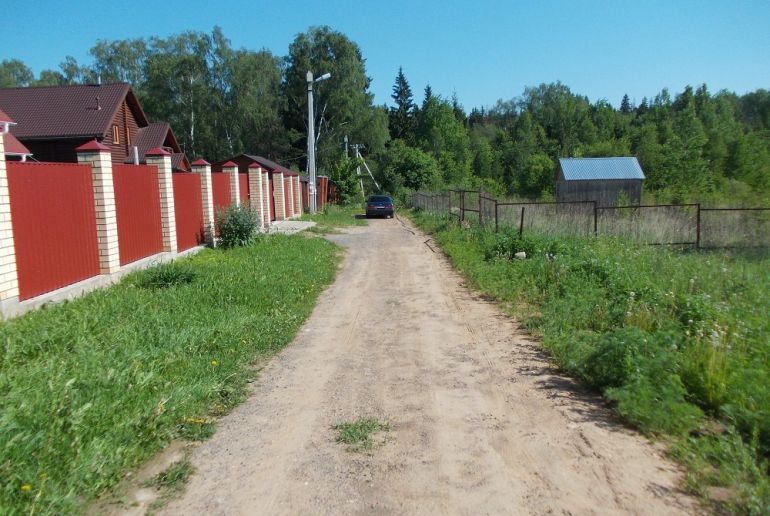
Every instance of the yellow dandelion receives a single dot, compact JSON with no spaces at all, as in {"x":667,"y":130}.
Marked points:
{"x":26,"y":488}
{"x":214,"y":363}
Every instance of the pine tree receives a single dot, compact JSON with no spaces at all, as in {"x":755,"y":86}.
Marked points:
{"x":625,"y":105}
{"x":402,"y":116}
{"x":428,"y":96}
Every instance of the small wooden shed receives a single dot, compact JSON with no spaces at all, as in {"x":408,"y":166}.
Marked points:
{"x":599,"y":179}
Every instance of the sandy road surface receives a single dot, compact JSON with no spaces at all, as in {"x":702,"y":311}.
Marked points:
{"x":481,"y":423}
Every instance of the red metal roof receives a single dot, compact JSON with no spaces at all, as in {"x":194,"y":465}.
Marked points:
{"x":93,"y":146}
{"x":158,"y":151}
{"x":12,"y":145}
{"x":67,"y":111}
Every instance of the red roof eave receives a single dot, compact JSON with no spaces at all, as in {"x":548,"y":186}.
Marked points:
{"x":14,"y":146}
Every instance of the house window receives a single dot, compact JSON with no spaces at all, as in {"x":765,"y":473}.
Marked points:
{"x":115,"y":134}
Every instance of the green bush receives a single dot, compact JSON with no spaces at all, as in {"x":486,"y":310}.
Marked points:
{"x":237,"y":226}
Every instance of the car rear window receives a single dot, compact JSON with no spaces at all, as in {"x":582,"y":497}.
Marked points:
{"x":379,"y":198}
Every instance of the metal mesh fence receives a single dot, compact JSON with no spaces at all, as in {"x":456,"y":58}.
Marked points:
{"x":656,"y":225}
{"x":748,"y":227}
{"x":663,"y":224}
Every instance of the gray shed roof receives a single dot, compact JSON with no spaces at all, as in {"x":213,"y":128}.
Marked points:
{"x":582,"y":169}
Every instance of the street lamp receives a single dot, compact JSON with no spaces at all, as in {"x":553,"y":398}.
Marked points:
{"x":311,"y":139}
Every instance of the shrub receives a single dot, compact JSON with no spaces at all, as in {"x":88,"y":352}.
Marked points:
{"x":237,"y":226}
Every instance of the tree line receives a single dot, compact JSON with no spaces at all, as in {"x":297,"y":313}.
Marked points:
{"x":223,"y":101}
{"x":694,"y":145}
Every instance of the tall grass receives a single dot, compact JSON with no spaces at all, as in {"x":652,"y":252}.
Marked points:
{"x":91,"y":388}
{"x":661,"y":224}
{"x":679,"y":341}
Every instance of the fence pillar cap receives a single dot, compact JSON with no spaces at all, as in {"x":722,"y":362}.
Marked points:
{"x":229,"y":164}
{"x":255,"y":165}
{"x":157,"y":151}
{"x":200,"y":163}
{"x":93,"y":146}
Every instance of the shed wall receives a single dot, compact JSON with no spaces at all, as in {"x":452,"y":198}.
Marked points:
{"x":604,"y":192}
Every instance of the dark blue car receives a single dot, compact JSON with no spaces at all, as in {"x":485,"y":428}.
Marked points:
{"x":379,"y":206}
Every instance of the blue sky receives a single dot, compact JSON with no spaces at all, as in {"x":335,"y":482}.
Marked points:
{"x":482,"y":50}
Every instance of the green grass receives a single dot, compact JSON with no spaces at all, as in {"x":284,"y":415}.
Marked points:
{"x":358,"y":434}
{"x":92,"y":388}
{"x":173,"y":477}
{"x":334,"y":217}
{"x":679,"y":341}
{"x":170,"y":482}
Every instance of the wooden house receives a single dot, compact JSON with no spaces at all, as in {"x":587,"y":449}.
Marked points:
{"x":52,"y":121}
{"x":599,"y":179}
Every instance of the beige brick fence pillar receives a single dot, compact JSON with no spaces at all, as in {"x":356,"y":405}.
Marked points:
{"x":203,"y":168}
{"x":289,"y":185}
{"x":161,"y":159}
{"x":280,"y":200}
{"x":99,"y":158}
{"x":257,"y":198}
{"x":235,"y":193}
{"x":266,"y":198}
{"x":297,"y":196}
{"x":9,"y":281}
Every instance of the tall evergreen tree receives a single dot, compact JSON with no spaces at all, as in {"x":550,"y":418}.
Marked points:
{"x":402,"y":115}
{"x":427,"y":96}
{"x":625,"y":105}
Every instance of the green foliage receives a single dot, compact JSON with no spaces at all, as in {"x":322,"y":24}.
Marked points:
{"x":14,"y":73}
{"x":166,"y":275}
{"x":236,"y":225}
{"x":343,"y":103}
{"x":93,"y":387}
{"x":402,"y":119}
{"x":344,"y":173}
{"x":173,"y":477}
{"x":676,"y":340}
{"x":408,"y":167}
{"x":442,"y":135}
{"x":358,"y":433}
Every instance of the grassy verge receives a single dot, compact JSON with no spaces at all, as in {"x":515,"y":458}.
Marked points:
{"x":92,"y":388}
{"x":334,"y":217}
{"x":679,"y":341}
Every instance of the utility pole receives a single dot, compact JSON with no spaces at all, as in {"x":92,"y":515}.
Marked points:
{"x":356,"y":147}
{"x":311,"y":138}
{"x":346,"y":146}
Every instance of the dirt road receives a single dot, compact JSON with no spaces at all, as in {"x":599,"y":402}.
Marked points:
{"x":481,"y":424}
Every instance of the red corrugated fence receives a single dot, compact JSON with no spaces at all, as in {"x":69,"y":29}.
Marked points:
{"x":54,"y":225}
{"x":221,"y":186}
{"x":243,"y":188}
{"x":188,"y":208}
{"x":137,"y":203}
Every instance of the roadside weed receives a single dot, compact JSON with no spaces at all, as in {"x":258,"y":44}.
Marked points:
{"x":358,"y":434}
